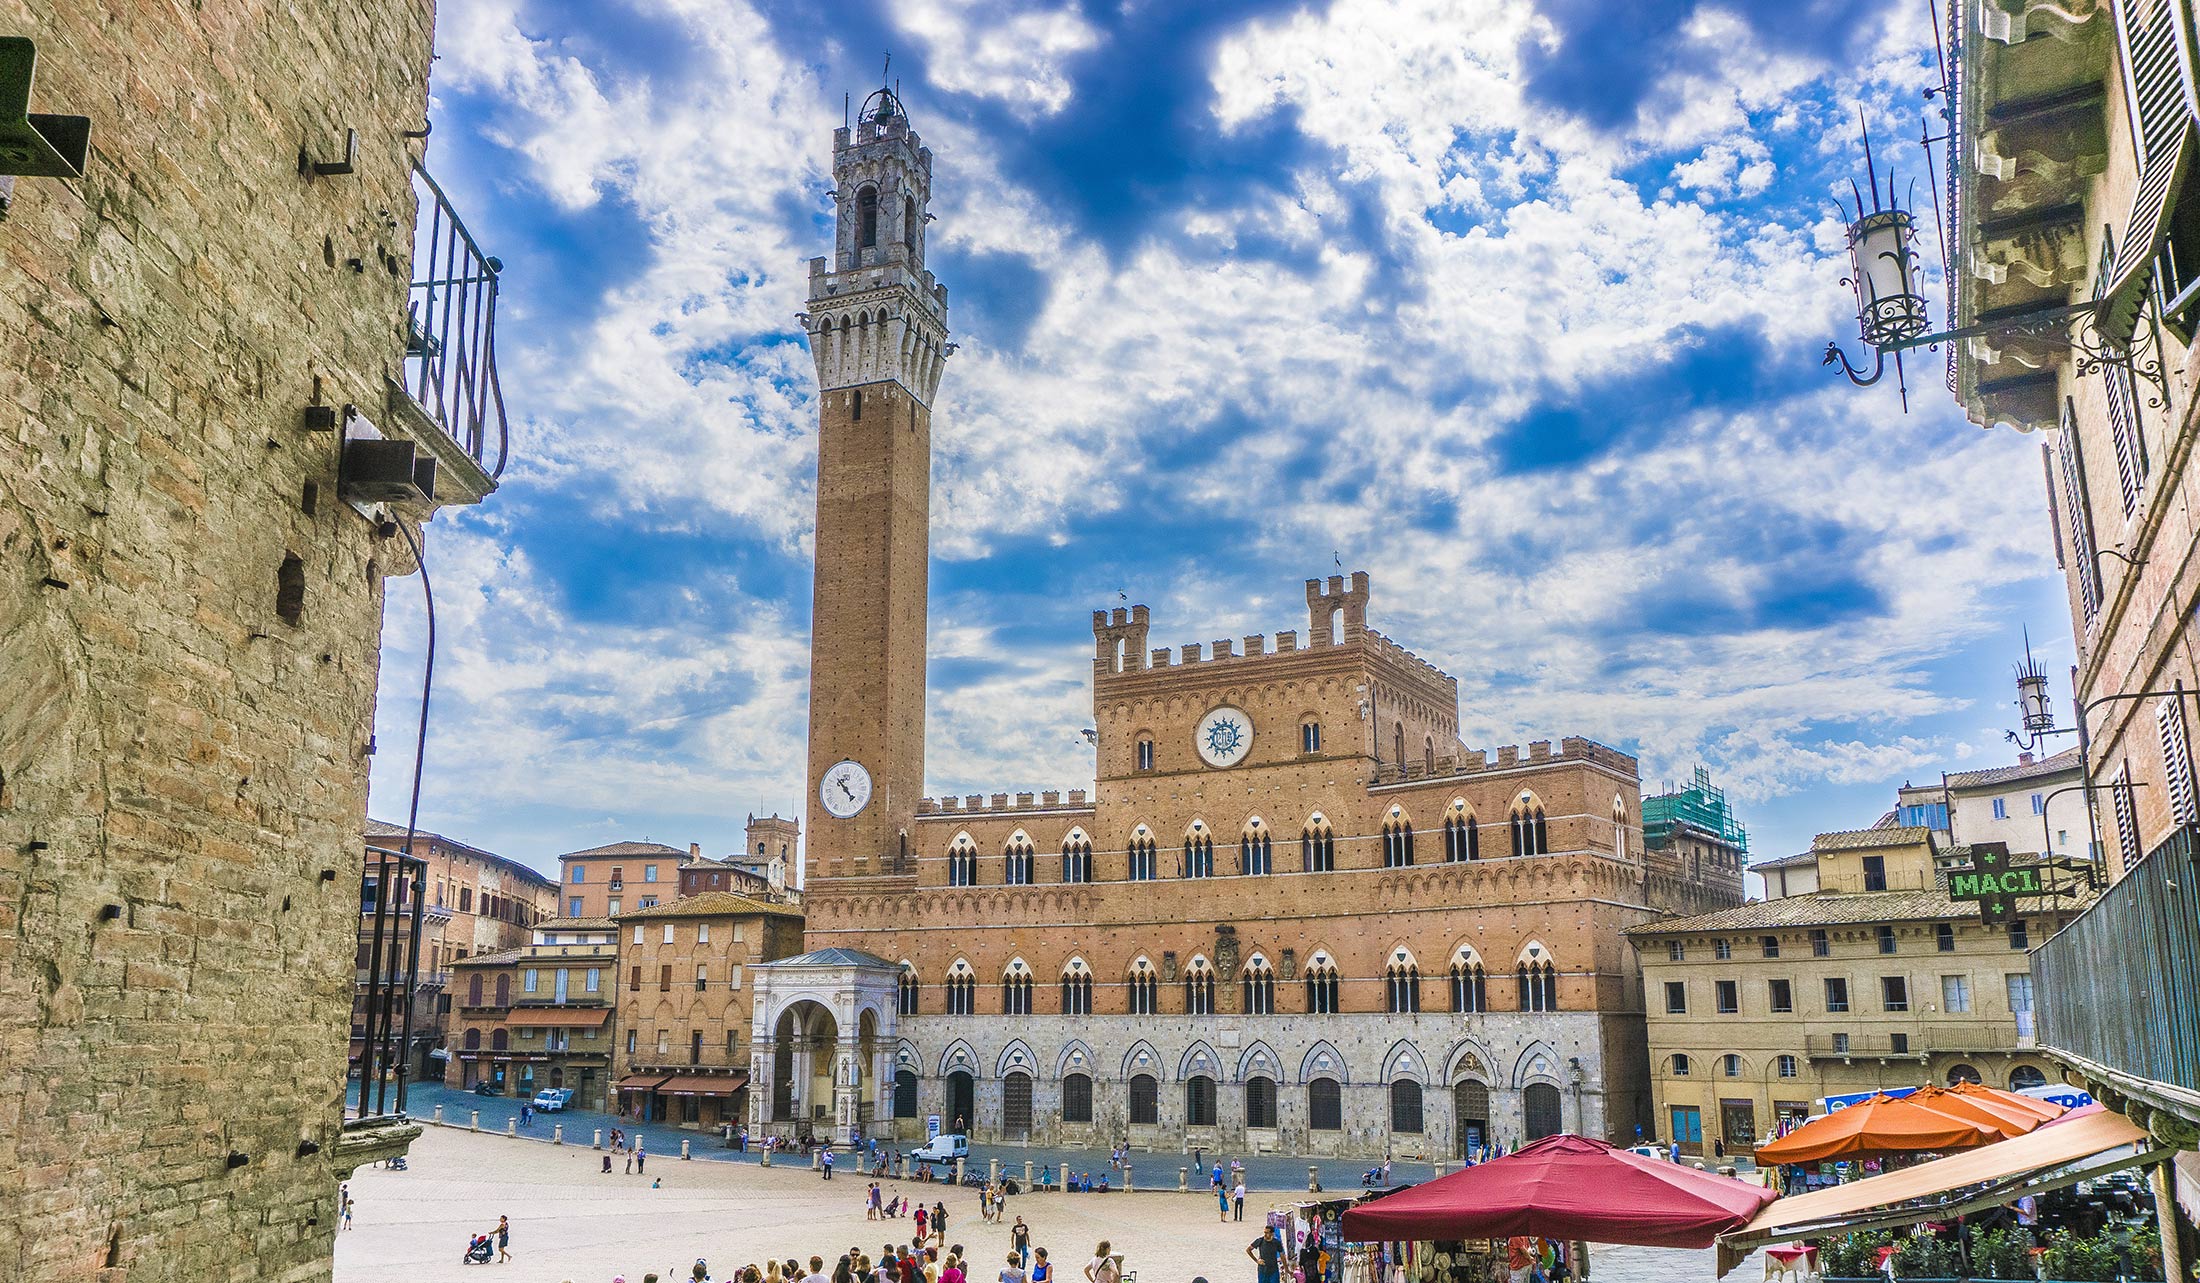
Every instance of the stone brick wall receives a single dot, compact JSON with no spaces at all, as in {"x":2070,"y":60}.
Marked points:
{"x":182,"y":784}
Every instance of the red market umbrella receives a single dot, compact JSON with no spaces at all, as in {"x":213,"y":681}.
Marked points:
{"x":1872,"y":1127}
{"x":1565,"y":1187}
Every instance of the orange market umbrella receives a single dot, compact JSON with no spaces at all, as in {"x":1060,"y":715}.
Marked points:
{"x":2046,"y":1109}
{"x":1877,"y":1125}
{"x":2006,"y":1119}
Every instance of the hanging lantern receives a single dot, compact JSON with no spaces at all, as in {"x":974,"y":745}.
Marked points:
{"x":2032,"y":696}
{"x":1883,"y":268}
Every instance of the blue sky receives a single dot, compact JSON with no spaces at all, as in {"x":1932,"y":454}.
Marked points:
{"x":1517,"y":304}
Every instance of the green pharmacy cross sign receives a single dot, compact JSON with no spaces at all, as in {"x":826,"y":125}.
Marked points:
{"x":1993,"y":883}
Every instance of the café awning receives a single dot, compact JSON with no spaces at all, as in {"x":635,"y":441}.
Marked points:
{"x":640,"y":1082}
{"x":558,"y":1017}
{"x":2046,"y":1159}
{"x":703,"y":1084}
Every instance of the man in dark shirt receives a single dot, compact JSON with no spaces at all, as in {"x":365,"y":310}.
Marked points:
{"x":1268,"y":1251}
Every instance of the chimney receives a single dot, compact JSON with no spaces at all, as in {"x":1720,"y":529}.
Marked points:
{"x":2024,"y":759}
{"x":695,"y":850}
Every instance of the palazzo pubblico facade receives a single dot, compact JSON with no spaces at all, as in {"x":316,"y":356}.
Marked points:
{"x":1294,"y":913}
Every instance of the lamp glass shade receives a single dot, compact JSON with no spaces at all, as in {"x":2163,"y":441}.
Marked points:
{"x":1883,"y":267}
{"x":2032,"y":697}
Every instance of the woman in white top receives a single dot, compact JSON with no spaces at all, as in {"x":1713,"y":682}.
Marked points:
{"x":1104,"y":1267}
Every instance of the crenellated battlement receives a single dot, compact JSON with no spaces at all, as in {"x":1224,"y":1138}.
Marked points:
{"x":1005,"y":803}
{"x":1508,"y":757}
{"x":1327,"y":602}
{"x":1386,"y":647}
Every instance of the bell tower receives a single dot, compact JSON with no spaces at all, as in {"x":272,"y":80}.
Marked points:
{"x":877,"y":325}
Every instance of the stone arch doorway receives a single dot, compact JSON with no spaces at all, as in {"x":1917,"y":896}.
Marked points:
{"x":1470,"y":1111}
{"x":962,"y":1101}
{"x":802,"y":1065}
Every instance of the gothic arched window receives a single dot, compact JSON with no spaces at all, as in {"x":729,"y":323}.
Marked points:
{"x":1199,"y":853}
{"x":962,"y":862}
{"x":1529,"y":835}
{"x":1397,"y":840}
{"x":1402,"y":980}
{"x":1469,"y":984}
{"x":1076,"y":857}
{"x":909,"y":990}
{"x":1016,"y":990}
{"x":1321,"y":986}
{"x":1076,"y":990}
{"x":1199,"y":989}
{"x":1254,"y":850}
{"x":1142,"y":856}
{"x":1260,"y":987}
{"x":1461,"y":842}
{"x":1145,"y":989}
{"x":962,"y":990}
{"x":1017,"y":858}
{"x":1318,"y":846}
{"x":909,"y":223}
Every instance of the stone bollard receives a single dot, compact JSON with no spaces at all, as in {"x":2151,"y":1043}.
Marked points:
{"x":1313,"y":1178}
{"x":764,"y":1157}
{"x":1028,"y":1187}
{"x":1126,"y":1177}
{"x":817,"y":1160}
{"x":597,"y":1143}
{"x":959,"y":1170}
{"x":557,"y":1134}
{"x":1435,"y":1168}
{"x":511,"y":1127}
{"x":474,"y":1122}
{"x":684,"y":1155}
{"x":439,"y":1115}
{"x":1183,"y":1180}
{"x":993,"y":1171}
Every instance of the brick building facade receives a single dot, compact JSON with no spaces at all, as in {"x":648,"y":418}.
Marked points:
{"x":1295,"y":911}
{"x":683,"y":1002}
{"x":190,"y":623}
{"x":539,"y":1014}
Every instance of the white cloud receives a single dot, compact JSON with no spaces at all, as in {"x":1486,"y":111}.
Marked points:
{"x":1013,"y":52}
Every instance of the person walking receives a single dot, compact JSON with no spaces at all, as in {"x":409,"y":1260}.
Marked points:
{"x":1013,"y":1272}
{"x":1019,"y":1237}
{"x":1106,"y":1267}
{"x":344,"y":1193}
{"x":871,"y":1202}
{"x":1042,"y":1269}
{"x":939,"y":1222}
{"x":924,"y":1217}
{"x":630,"y":1162}
{"x":827,"y":1164}
{"x":640,"y":1158}
{"x":504,"y":1240}
{"x":1267,"y":1253}
{"x":1237,"y":1199}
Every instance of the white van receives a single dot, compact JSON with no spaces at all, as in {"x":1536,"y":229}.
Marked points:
{"x":943,"y":1148}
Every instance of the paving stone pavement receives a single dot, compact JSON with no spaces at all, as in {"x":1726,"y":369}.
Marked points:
{"x":572,"y":1222}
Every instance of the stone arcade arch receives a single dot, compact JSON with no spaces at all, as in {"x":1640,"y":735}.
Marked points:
{"x":822,"y":1030}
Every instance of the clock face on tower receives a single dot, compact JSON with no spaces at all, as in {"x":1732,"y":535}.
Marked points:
{"x":1224,"y":737}
{"x":846,"y":788}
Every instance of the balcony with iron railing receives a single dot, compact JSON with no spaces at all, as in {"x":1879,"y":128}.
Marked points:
{"x":2119,"y":988}
{"x":450,"y":386}
{"x":1939,"y":1036}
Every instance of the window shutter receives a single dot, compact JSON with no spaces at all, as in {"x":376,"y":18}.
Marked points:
{"x":2054,"y":513}
{"x":2159,"y":85}
{"x":2122,"y":394}
{"x":2081,"y":518}
{"x":2169,"y":722}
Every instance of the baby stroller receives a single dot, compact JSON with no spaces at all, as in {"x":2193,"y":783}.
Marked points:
{"x":481,"y":1251}
{"x":1372,"y":1177}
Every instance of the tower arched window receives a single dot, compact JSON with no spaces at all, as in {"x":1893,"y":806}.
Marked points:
{"x":1143,"y":865}
{"x":1016,"y":990}
{"x":1402,"y":981}
{"x":1199,"y":989}
{"x":1397,"y":840}
{"x":1318,"y":847}
{"x":1017,"y":860}
{"x":909,"y":990}
{"x":1145,"y":752}
{"x":1076,"y":990}
{"x":1254,"y":852}
{"x":1461,"y":836}
{"x":1259,"y":984}
{"x":1076,"y":857}
{"x":1145,"y":989}
{"x":1199,"y":853}
{"x":867,"y":218}
{"x":1428,"y":756}
{"x":1469,"y":985}
{"x":909,"y":222}
{"x":1321,"y":986}
{"x":1398,"y":744}
{"x":1530,"y":836}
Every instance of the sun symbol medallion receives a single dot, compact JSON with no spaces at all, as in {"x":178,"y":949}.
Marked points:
{"x":1224,"y":736}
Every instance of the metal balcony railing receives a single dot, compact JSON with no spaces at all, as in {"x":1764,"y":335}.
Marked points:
{"x":1934,"y":1036}
{"x":450,"y":330}
{"x":2120,"y":987}
{"x":393,"y":960}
